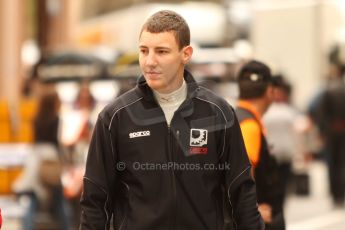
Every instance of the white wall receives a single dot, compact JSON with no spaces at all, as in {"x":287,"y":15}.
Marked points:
{"x":294,"y":37}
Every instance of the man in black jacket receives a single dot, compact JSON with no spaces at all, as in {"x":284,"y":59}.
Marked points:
{"x":162,"y":154}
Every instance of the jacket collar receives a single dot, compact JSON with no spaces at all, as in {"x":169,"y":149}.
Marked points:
{"x":146,"y":92}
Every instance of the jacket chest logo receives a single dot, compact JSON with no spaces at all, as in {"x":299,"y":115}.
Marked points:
{"x":139,"y":134}
{"x":198,"y":141}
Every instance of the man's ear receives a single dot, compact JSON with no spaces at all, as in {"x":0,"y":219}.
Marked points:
{"x":187,"y":53}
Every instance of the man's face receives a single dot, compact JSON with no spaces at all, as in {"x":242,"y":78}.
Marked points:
{"x":161,"y":60}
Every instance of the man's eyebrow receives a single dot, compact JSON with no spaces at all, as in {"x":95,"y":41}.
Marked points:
{"x":162,"y":48}
{"x":156,"y":48}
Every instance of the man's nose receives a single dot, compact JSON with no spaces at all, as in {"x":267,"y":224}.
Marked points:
{"x":151,"y":59}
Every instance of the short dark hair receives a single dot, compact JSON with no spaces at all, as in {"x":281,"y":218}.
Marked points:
{"x":167,"y":21}
{"x":280,"y":82}
{"x":253,"y":79}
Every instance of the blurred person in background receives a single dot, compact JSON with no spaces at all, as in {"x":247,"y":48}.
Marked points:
{"x":83,"y":108}
{"x":328,"y":113}
{"x":167,"y":118}
{"x":281,"y":132}
{"x":85,"y":101}
{"x":40,"y":181}
{"x":77,"y":146}
{"x":47,"y":121}
{"x":256,"y":95}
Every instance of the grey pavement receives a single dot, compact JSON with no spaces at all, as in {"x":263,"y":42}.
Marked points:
{"x":316,"y":211}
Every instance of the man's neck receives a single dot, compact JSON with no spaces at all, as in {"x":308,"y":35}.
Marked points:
{"x":259,"y":104}
{"x":176,"y":95}
{"x":170,"y":102}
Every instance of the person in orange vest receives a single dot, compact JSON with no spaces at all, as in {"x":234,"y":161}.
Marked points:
{"x":256,"y":95}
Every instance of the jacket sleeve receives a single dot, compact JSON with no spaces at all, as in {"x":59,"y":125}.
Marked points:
{"x":240,"y":187}
{"x":97,"y":202}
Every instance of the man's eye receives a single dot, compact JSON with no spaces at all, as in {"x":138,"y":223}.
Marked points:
{"x":162,"y":51}
{"x":143,"y":51}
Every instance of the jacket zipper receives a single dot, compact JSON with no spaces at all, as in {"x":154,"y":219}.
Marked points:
{"x":173,"y":176}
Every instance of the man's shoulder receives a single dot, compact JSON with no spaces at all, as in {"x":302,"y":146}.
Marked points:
{"x":211,"y":97}
{"x":120,"y":102}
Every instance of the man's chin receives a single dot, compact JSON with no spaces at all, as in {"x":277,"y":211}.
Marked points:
{"x":154,"y":84}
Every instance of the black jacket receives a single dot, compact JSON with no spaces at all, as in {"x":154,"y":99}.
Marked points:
{"x":146,"y":175}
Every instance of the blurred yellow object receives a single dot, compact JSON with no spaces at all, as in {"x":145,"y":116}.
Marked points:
{"x":26,"y":115}
{"x":5,"y":122}
{"x":27,"y":109}
{"x":5,"y":134}
{"x":90,"y":37}
{"x":7,"y":177}
{"x":129,"y":58}
{"x":125,"y":60}
{"x":4,"y":113}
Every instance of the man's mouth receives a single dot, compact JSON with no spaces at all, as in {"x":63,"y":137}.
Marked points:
{"x":152,"y":74}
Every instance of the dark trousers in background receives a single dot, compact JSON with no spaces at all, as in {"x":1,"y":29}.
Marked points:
{"x":336,"y":168}
{"x":58,"y":208}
